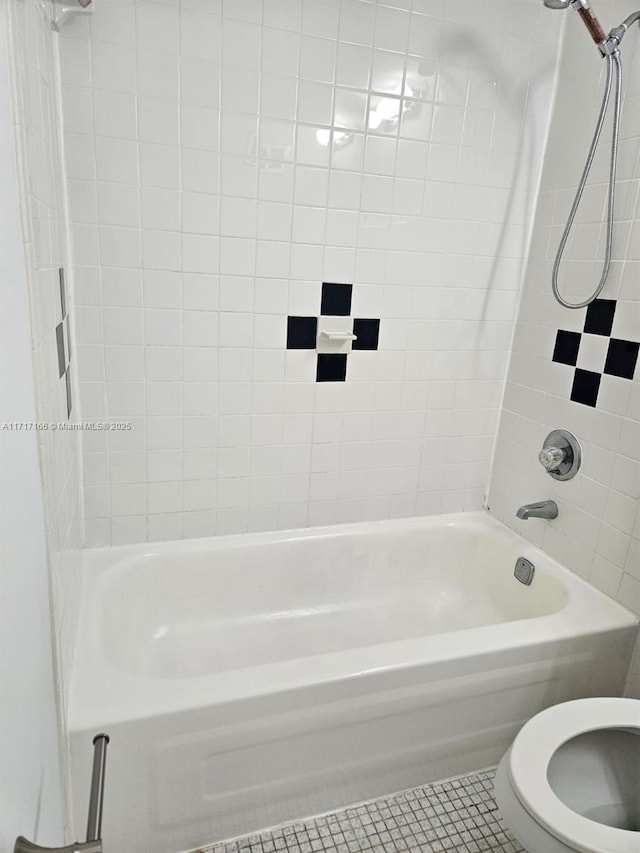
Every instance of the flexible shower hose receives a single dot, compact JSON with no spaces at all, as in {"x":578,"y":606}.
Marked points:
{"x":613,"y":61}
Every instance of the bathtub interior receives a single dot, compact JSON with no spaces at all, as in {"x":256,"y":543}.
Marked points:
{"x":242,"y":603}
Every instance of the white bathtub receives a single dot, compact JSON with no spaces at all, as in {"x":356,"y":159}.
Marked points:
{"x":248,"y":680}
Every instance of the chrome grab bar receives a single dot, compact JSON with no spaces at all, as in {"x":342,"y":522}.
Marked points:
{"x":94,"y":821}
{"x":93,"y":844}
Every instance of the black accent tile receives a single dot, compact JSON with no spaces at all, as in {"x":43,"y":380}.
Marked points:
{"x":586,"y":385}
{"x":63,"y":295}
{"x":599,"y":319}
{"x":331,"y":368}
{"x":566,"y":348}
{"x":367,"y":333}
{"x":302,"y":332}
{"x":67,"y":383}
{"x":60,"y":345}
{"x":336,"y":299}
{"x":622,"y":357}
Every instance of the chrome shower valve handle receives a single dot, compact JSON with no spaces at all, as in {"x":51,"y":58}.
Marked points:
{"x":551,"y":458}
{"x":561,"y":455}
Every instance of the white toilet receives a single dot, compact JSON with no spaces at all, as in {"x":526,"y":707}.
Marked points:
{"x":571,"y":780}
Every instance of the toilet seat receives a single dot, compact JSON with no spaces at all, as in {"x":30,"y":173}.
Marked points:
{"x":532,"y":751}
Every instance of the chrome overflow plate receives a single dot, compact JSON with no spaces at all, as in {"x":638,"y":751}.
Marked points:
{"x":561,"y":454}
{"x":524,"y":571}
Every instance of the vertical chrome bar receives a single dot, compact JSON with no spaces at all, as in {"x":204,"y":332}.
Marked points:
{"x":94,"y":822}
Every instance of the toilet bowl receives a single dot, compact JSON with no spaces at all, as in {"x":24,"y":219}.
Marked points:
{"x":571,"y":780}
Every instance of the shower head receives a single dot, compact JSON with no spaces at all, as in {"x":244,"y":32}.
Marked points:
{"x":583,"y":8}
{"x":84,"y":3}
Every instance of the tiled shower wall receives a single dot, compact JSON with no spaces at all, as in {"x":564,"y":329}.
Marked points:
{"x":226,"y":158}
{"x":597,"y":533}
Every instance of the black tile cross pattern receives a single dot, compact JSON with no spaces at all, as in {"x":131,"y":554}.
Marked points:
{"x":600,"y":316}
{"x":302,"y":332}
{"x":336,"y":299}
{"x":566,"y":348}
{"x":331,"y":367}
{"x":621,"y":358}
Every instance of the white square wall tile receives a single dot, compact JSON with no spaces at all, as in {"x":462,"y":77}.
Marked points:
{"x":317,"y":59}
{"x":113,"y":66}
{"x":392,"y":29}
{"x":159,"y":165}
{"x":120,"y":247}
{"x":353,"y":66}
{"x":200,"y":35}
{"x":236,"y":293}
{"x":240,"y":89}
{"x":241,"y":44}
{"x":160,"y":208}
{"x":280,"y":50}
{"x":200,"y":364}
{"x":278,"y":96}
{"x":157,"y":74}
{"x":200,"y":328}
{"x":199,"y":82}
{"x":163,"y":364}
{"x":161,"y":250}
{"x":200,"y":254}
{"x":157,"y":27}
{"x":157,"y":121}
{"x":315,"y":102}
{"x":118,"y":204}
{"x":124,"y":363}
{"x":161,"y":289}
{"x":200,"y":127}
{"x":162,"y":327}
{"x":200,"y":292}
{"x":236,"y":330}
{"x":114,"y":114}
{"x":200,"y":170}
{"x":116,"y":160}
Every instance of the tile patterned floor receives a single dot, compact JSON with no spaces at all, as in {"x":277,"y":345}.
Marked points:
{"x":457,"y":815}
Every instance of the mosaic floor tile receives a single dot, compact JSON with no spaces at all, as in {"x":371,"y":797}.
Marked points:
{"x":457,"y":815}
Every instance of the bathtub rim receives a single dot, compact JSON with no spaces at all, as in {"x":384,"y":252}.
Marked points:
{"x":95,"y":558}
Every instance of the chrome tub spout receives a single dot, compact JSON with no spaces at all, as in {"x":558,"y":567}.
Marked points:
{"x":542,"y":509}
